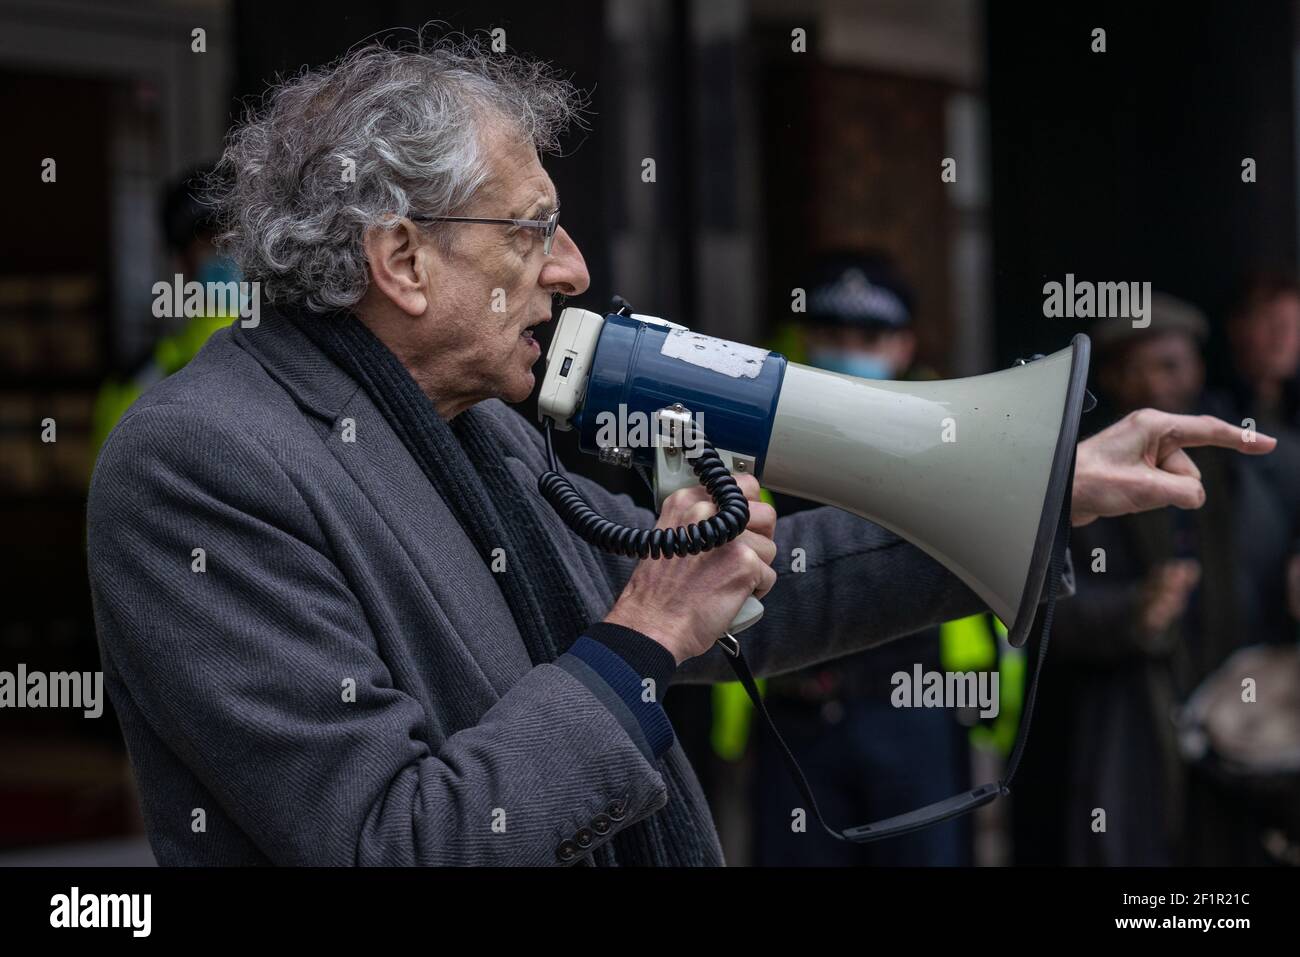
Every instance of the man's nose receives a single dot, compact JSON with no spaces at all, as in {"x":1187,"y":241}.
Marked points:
{"x":565,"y":271}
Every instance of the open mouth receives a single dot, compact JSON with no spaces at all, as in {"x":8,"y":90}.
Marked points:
{"x":527,"y":334}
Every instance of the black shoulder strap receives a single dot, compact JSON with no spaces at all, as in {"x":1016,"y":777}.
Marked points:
{"x":958,"y":804}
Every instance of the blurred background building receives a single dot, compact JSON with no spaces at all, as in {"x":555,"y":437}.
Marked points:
{"x":779,"y":130}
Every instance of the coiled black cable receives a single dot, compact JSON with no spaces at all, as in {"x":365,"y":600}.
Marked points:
{"x":731,"y":520}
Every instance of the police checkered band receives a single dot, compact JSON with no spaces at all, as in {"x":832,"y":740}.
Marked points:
{"x":854,"y":298}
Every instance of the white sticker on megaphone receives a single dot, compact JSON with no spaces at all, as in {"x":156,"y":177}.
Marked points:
{"x":730,"y":358}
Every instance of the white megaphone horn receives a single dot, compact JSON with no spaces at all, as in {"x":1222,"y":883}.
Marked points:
{"x":973,"y":471}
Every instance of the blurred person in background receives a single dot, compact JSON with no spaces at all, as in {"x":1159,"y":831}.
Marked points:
{"x":864,"y":758}
{"x":1164,"y":598}
{"x":1264,"y":339}
{"x":1264,"y":335}
{"x":188,"y":228}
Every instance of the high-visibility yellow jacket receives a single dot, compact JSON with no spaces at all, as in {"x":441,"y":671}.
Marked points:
{"x":170,"y":354}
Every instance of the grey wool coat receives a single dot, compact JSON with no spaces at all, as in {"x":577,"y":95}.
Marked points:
{"x":335,"y":677}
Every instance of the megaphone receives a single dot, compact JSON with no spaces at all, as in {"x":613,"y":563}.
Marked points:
{"x":973,"y":471}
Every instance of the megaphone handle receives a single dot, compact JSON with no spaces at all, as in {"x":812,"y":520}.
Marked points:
{"x":672,"y":472}
{"x":750,"y":612}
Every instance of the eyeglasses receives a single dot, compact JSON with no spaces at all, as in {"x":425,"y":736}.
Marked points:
{"x":548,"y":226}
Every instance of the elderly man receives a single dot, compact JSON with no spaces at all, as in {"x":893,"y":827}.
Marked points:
{"x":338,"y":623}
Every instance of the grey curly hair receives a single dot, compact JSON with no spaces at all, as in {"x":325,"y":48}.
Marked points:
{"x":406,"y":122}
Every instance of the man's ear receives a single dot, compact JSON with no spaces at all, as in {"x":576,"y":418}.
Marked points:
{"x":401,"y":266}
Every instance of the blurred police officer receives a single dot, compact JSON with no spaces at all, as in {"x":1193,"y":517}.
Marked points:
{"x":864,"y":758}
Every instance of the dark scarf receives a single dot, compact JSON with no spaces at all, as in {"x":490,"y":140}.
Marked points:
{"x":463,"y":460}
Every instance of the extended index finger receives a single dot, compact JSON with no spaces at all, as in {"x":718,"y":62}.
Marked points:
{"x":1194,"y":431}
